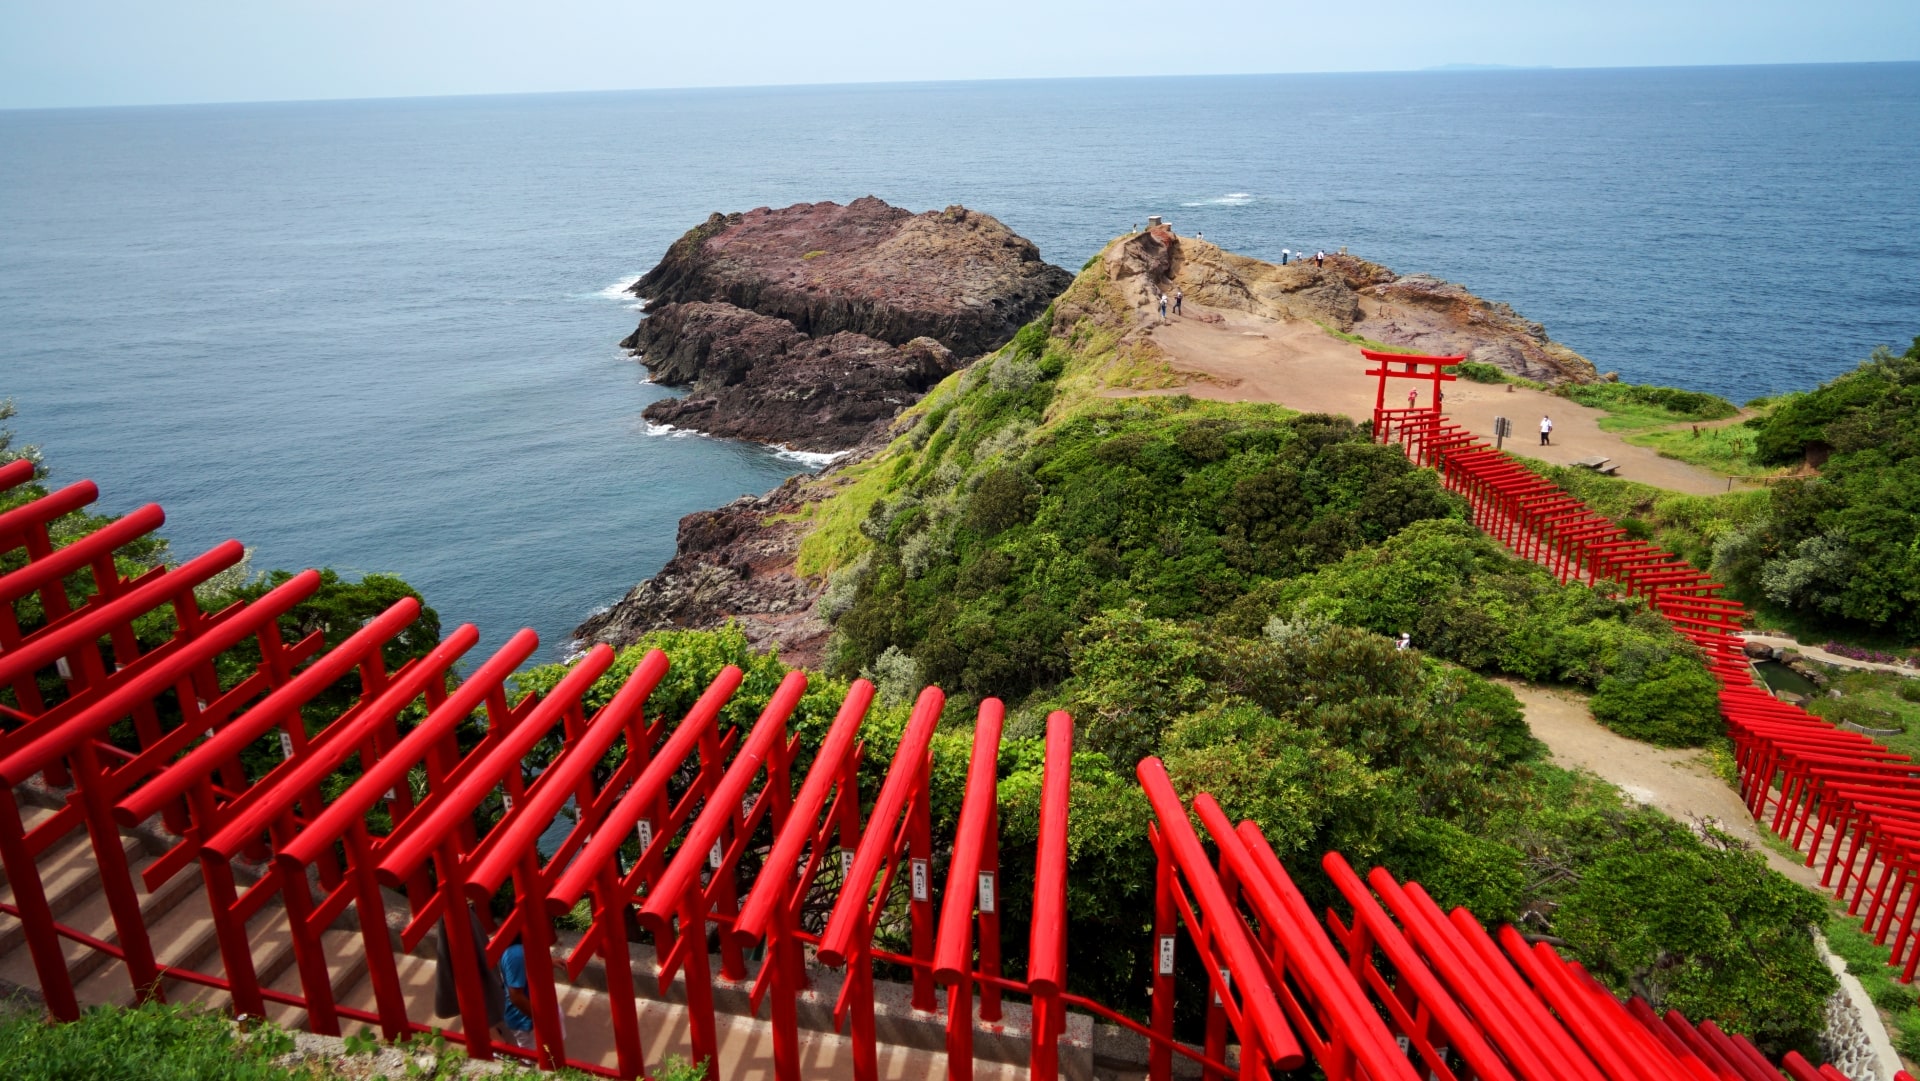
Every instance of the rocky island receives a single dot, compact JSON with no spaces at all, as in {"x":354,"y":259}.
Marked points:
{"x":811,"y":325}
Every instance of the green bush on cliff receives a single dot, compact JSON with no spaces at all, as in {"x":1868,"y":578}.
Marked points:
{"x":1837,"y":550}
{"x":983,"y":578}
{"x":1462,"y":598}
{"x":1745,"y":960}
{"x":1664,"y":404}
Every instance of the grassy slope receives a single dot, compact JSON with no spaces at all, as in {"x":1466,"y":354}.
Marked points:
{"x":1093,"y":362}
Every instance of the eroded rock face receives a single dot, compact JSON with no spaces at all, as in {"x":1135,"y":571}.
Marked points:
{"x":757,"y":377}
{"x":1347,"y":294}
{"x":808,"y":325}
{"x":1439,"y":317}
{"x":958,"y":277}
{"x":735,"y":563}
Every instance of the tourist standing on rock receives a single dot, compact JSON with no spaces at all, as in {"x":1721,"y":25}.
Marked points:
{"x":1285,"y":254}
{"x":1546,"y":430}
{"x":1320,"y":258}
{"x":1178,"y":296}
{"x":1163,"y":306}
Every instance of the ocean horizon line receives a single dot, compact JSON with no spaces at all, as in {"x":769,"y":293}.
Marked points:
{"x":1452,"y":69}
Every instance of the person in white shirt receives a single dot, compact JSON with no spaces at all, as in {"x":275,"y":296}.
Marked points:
{"x":1546,"y":430}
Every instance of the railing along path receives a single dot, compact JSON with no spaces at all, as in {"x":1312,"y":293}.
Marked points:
{"x":312,"y":789}
{"x":1849,"y":803}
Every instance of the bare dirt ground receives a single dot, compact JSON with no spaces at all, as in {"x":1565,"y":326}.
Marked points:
{"x":1248,"y":358}
{"x":1680,"y":782}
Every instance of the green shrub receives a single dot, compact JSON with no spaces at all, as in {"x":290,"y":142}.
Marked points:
{"x":1681,"y":404}
{"x":1460,"y":869}
{"x":1478,"y":372}
{"x":1178,"y":507}
{"x":1837,"y":549}
{"x":1702,"y":926}
{"x":1462,"y":598}
{"x":153,"y":1042}
{"x":1671,"y":701}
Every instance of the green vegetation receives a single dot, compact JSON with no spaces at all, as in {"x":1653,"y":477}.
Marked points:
{"x":1838,"y":549}
{"x":1634,"y":407}
{"x":1868,"y":963}
{"x":1462,"y":598}
{"x":1635,"y":917}
{"x":1873,"y":699}
{"x":1828,"y":555}
{"x":150,"y":1043}
{"x":1681,"y":424}
{"x":982,"y":571}
{"x":1723,"y":448}
{"x":1331,"y":738}
{"x":1687,"y":525}
{"x":157,"y":1042}
{"x":1217,"y":584}
{"x":1476,"y":372}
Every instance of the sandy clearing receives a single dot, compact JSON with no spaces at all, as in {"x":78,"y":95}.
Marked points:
{"x":1247,"y":358}
{"x":1680,"y":782}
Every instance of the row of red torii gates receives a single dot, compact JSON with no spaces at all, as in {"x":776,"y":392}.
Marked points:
{"x":135,"y":729}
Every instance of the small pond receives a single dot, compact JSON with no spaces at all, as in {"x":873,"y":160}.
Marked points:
{"x":1778,"y":677}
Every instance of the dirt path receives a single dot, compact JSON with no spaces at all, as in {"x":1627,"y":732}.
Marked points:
{"x":1680,"y":782}
{"x":1247,"y":358}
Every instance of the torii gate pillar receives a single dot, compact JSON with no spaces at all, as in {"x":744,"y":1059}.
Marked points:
{"x":1432,"y":369}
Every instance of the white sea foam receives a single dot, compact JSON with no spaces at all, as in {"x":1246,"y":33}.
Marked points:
{"x":1232,"y":198}
{"x":618,"y":290}
{"x":809,"y":458}
{"x":812,"y":459}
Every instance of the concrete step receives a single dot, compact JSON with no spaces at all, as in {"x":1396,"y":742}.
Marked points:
{"x":346,"y":972}
{"x":91,"y":915}
{"x":69,"y":875}
{"x":271,"y":944}
{"x":746,"y":1043}
{"x":180,"y":926}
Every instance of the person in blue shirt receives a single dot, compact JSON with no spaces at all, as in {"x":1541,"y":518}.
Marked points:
{"x":517,"y":1017}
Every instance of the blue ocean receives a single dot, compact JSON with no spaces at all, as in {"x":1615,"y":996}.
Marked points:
{"x":380,"y":335}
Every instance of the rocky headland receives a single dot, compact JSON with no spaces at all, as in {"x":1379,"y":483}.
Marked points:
{"x":815,"y":325}
{"x":812,"y":325}
{"x":1349,"y":295}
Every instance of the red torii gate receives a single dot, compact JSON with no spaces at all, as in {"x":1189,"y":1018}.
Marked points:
{"x":1428,"y":369}
{"x":1395,"y":990}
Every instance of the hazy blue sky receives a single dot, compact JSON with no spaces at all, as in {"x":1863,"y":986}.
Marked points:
{"x":101,"y":52}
